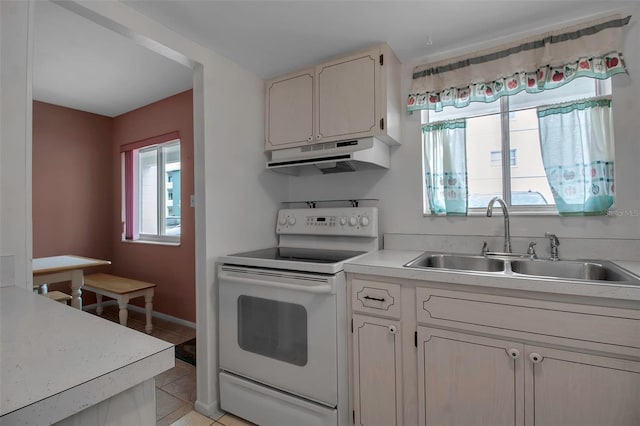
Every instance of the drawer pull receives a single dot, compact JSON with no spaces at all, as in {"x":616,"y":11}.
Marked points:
{"x":377,"y":299}
{"x":393,"y":329}
{"x":513,"y":353}
{"x":535,"y":358}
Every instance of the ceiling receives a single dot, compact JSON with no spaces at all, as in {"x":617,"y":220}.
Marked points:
{"x":82,"y":65}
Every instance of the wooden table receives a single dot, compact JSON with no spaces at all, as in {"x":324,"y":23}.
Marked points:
{"x":56,"y":269}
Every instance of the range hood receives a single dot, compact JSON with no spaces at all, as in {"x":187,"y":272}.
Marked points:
{"x":332,"y":157}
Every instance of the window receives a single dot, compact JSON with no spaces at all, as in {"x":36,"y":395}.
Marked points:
{"x":151,"y":189}
{"x":510,"y":125}
{"x":496,"y":158}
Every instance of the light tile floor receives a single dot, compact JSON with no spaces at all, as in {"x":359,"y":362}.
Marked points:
{"x":175,"y":388}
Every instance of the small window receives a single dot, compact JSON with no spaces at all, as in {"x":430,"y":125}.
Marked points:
{"x":152,"y":192}
{"x":496,"y":158}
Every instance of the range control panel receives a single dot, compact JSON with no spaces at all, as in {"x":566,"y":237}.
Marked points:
{"x":347,"y":221}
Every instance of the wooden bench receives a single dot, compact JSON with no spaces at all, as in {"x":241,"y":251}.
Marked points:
{"x":58,"y":296}
{"x":123,"y":290}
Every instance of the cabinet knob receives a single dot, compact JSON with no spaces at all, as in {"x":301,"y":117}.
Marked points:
{"x":318,"y":137}
{"x":393,"y":329}
{"x":310,"y":138}
{"x":535,"y":358}
{"x":513,"y":353}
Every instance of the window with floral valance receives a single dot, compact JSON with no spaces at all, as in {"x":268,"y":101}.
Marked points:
{"x":482,"y":109}
{"x":533,"y":65}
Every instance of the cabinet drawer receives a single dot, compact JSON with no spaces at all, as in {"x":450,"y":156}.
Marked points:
{"x":500,"y":314}
{"x":376,"y":298}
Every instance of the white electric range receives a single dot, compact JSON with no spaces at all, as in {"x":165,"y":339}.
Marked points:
{"x":283,"y":319}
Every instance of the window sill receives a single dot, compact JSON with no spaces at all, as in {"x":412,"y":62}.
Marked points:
{"x":483,"y":213}
{"x":153,"y":243}
{"x":519,"y":212}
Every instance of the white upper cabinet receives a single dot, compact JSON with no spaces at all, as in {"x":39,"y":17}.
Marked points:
{"x":349,"y":97}
{"x":290,"y":107}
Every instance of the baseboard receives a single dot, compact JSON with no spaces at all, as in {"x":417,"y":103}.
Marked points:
{"x":141,"y":310}
{"x":164,"y":316}
{"x":210,"y":410}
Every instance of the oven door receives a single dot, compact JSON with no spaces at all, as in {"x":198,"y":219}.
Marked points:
{"x":279,"y":328}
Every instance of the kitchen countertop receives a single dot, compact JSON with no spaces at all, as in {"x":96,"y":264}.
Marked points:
{"x":388,"y":263}
{"x":56,"y":361}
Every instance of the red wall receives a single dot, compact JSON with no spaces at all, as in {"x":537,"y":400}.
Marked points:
{"x":171,"y":268}
{"x":72,"y":182}
{"x":77,"y":196}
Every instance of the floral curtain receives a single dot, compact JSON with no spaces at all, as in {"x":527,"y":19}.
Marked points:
{"x":533,"y":65}
{"x":445,"y":162}
{"x":579,"y":130}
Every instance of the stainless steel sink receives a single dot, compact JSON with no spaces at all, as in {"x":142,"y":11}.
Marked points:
{"x":571,"y":269}
{"x":457,"y":262}
{"x":516,"y":267}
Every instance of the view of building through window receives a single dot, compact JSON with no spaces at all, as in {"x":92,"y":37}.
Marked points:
{"x":159,"y":190}
{"x":511,"y":125}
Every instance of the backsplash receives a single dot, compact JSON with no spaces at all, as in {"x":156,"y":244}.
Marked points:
{"x":570,"y":248}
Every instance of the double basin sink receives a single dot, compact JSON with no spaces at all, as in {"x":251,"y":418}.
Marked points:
{"x":518,"y":266}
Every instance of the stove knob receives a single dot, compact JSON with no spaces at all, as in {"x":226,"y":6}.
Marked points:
{"x":282,"y":221}
{"x":364,"y":221}
{"x":291,"y":220}
{"x":353,"y":221}
{"x":343,"y":221}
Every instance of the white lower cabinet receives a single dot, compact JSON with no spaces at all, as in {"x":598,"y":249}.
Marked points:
{"x":576,"y":389}
{"x":490,"y":360}
{"x":469,"y":380}
{"x":377,"y":374}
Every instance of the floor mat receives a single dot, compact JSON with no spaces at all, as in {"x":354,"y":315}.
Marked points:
{"x":187,"y":351}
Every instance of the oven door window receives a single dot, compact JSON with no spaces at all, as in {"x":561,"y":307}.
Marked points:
{"x":273,"y":329}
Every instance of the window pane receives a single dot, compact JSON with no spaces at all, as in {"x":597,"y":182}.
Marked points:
{"x":172,"y":204}
{"x":148,"y":186}
{"x":529,"y":184}
{"x":483,"y":148}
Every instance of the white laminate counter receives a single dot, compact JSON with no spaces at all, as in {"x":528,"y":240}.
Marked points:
{"x":388,"y":263}
{"x":56,"y":361}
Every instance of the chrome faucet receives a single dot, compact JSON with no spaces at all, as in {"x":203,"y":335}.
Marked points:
{"x":505,"y":213}
{"x":553,"y":240}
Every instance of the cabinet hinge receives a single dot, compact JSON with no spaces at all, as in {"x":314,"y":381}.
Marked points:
{"x":381,"y":60}
{"x":352,"y":325}
{"x":353,"y":416}
{"x":415,"y":339}
{"x":382,"y":124}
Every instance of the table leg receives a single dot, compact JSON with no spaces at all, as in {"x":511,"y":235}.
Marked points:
{"x":122,"y":304}
{"x":148,"y":306}
{"x":98,"y":304}
{"x":77,"y":281}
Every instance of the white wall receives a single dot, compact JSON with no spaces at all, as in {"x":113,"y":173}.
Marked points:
{"x":231,"y":185}
{"x":15,"y":144}
{"x":399,"y":189}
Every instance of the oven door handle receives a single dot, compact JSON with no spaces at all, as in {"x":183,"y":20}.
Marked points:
{"x":316,"y":289}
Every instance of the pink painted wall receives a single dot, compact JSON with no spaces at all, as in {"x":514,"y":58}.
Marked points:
{"x":171,"y":268}
{"x":72,"y":182}
{"x":72,"y":185}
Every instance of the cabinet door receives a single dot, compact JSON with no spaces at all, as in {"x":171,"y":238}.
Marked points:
{"x":469,"y":380}
{"x":377,"y":371}
{"x":348,"y":91}
{"x":289,"y":117}
{"x":573,"y":389}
